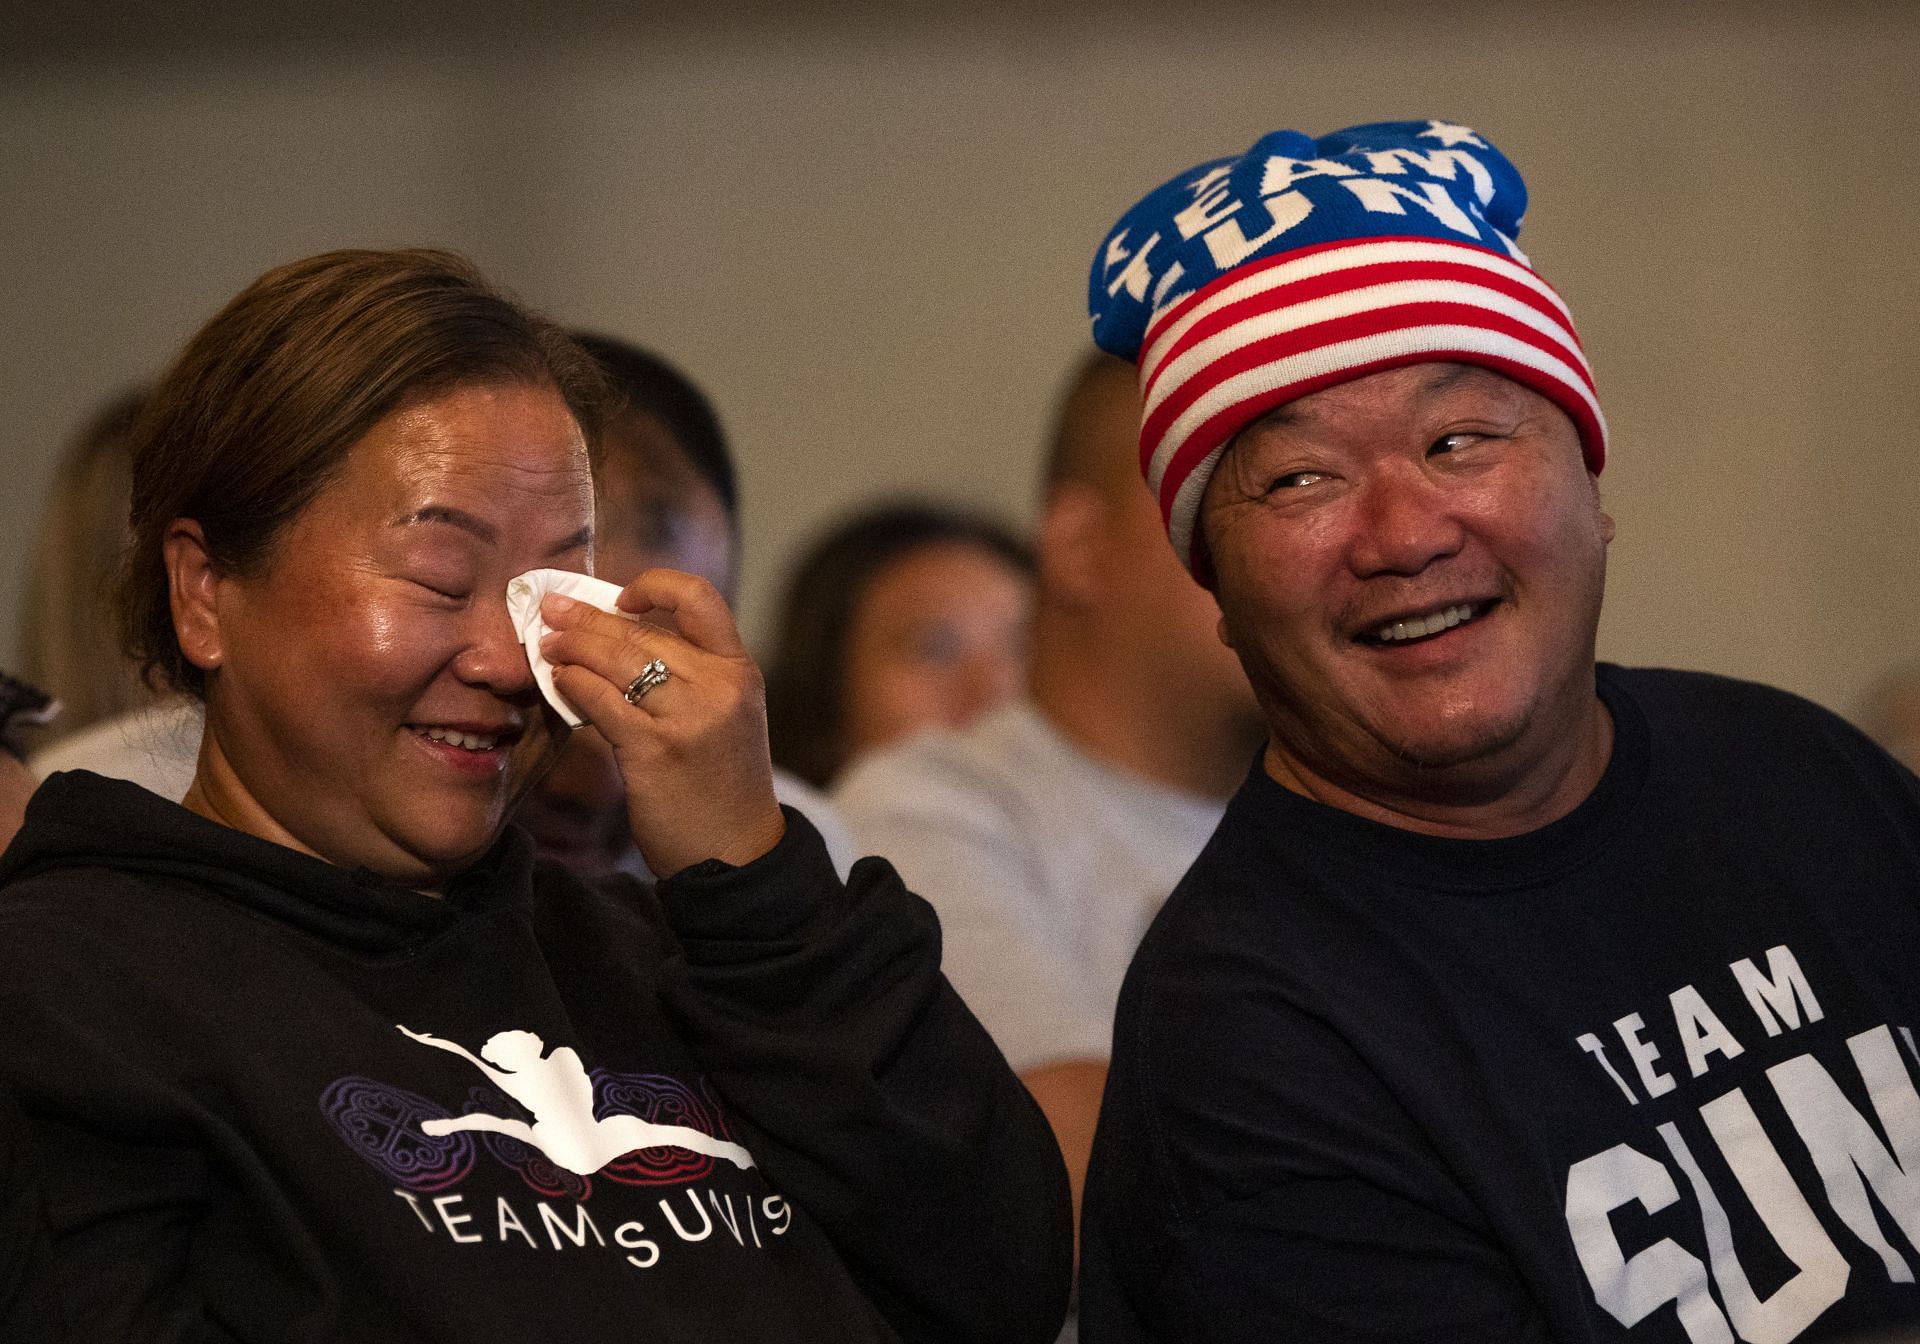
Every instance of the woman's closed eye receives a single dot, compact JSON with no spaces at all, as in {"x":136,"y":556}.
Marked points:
{"x":443,"y":588}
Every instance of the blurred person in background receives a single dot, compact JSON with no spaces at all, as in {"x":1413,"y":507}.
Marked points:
{"x":110,"y":722}
{"x":901,"y":617}
{"x":68,"y":640}
{"x":327,"y":1053}
{"x":1890,"y":714}
{"x":667,"y":497}
{"x":22,"y":708}
{"x":1047,"y":832}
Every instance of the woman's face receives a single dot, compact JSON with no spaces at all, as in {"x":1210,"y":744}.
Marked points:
{"x":939,"y":637}
{"x":368,"y":701}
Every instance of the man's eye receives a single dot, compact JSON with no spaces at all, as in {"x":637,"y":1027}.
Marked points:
{"x":1447,"y":443}
{"x":1293,"y":480}
{"x":935,"y":644}
{"x":450,"y":594}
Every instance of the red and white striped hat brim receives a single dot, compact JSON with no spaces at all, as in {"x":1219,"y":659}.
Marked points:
{"x":1272,"y":331}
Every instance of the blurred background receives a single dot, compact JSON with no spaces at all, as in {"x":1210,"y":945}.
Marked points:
{"x":866,"y":230}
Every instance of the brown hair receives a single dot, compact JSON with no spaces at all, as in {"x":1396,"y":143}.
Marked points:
{"x":807,"y":674}
{"x":258,"y":412}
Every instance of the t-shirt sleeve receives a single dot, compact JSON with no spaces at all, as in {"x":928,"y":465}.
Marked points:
{"x":1009,"y":961}
{"x":873,"y":1097}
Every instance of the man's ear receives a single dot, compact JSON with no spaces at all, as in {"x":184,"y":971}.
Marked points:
{"x":193,"y":588}
{"x":1606,"y":519}
{"x":1067,"y":542}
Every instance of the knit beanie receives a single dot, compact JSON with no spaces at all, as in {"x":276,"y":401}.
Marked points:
{"x":1248,"y":282}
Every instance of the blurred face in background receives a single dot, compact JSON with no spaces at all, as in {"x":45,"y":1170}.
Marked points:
{"x":655,"y":511}
{"x":938,"y":638}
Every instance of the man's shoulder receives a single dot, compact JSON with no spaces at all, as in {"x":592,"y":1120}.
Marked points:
{"x":1693,"y":690}
{"x":1000,"y":762}
{"x":1731,"y":718}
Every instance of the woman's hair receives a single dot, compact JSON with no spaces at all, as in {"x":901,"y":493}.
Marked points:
{"x":806,"y":672}
{"x":69,"y":642}
{"x":258,"y":412}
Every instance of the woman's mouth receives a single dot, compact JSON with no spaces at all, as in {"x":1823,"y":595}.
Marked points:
{"x":455,"y":737}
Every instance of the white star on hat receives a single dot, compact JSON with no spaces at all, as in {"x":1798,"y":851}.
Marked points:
{"x":1450,"y":135}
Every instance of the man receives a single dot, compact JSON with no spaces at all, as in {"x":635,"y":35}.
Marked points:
{"x":1514,"y":999}
{"x":666,"y":497}
{"x":1047,"y":834}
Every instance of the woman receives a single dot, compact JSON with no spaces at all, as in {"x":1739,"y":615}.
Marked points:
{"x":245,"y":1031}
{"x":902,"y":617}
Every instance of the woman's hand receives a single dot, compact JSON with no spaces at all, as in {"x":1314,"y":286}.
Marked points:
{"x":693,"y":749}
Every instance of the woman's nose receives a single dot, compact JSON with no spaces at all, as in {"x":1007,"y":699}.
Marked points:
{"x":494,"y":657}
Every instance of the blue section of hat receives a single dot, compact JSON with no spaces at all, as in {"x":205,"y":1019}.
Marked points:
{"x":1392,"y":179}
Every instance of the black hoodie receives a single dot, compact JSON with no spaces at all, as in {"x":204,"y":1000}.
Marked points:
{"x":275,"y":1099}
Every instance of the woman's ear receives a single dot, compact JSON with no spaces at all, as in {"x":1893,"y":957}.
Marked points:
{"x":193,"y":588}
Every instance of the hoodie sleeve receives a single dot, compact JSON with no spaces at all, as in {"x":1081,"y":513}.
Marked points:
{"x":877,"y":1101}
{"x":29,"y":1306}
{"x":120,"y":1177}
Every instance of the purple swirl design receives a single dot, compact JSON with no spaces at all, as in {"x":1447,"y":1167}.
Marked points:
{"x":381,"y":1124}
{"x":664,"y":1101}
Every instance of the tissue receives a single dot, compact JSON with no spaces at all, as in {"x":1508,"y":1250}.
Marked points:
{"x":524,"y":592}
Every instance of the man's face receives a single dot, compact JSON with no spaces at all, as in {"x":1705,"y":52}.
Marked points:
{"x":655,"y":510}
{"x":1410,"y":566}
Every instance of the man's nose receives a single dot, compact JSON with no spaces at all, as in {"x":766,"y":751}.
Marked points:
{"x":1405,"y":521}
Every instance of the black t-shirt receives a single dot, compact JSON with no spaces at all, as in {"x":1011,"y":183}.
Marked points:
{"x":1647,"y":1073}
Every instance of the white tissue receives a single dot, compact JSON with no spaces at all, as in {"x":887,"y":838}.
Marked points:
{"x":524,"y":592}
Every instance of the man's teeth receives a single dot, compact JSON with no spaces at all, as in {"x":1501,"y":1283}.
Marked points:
{"x":466,"y":741}
{"x":1421,"y":626}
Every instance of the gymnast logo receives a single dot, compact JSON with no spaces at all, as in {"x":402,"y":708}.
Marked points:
{"x":555,"y":1089}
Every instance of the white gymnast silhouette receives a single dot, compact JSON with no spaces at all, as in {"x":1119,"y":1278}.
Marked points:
{"x":560,"y":1095}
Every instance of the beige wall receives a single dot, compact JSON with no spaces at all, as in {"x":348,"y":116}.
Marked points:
{"x":869,"y":242}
